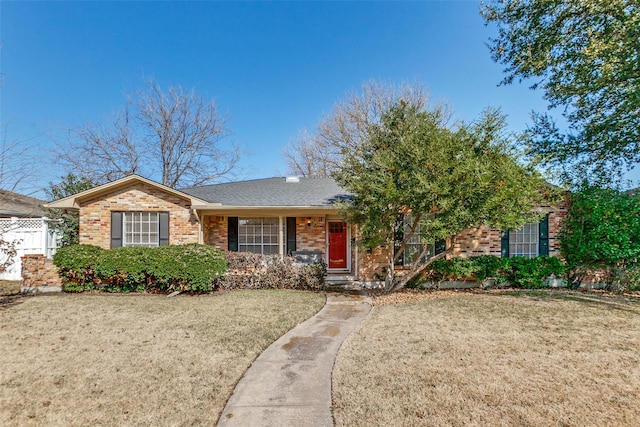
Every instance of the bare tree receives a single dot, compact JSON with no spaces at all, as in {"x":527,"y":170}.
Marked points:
{"x":174,"y":135}
{"x":102,"y":151}
{"x":309,"y":156}
{"x":319,"y":153}
{"x":16,"y":162}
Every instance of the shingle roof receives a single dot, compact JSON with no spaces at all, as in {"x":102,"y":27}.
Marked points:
{"x":14,"y":204}
{"x":272,"y":192}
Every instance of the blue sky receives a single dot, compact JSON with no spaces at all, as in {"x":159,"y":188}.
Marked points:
{"x":274,"y":68}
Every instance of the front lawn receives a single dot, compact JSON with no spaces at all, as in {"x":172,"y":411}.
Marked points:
{"x":527,"y":359}
{"x":135,"y":359}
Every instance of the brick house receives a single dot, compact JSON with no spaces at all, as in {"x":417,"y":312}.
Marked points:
{"x":269,"y":216}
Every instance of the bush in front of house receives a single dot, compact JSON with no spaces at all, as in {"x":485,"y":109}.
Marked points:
{"x":190,"y":267}
{"x":530,"y":273}
{"x":254,"y":271}
{"x":519,"y":272}
{"x":76,"y":265}
{"x":601,"y":234}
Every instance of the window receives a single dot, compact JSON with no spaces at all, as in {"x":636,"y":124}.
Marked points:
{"x":529,"y":241}
{"x":414,"y":246}
{"x":524,"y":242}
{"x":258,"y":235}
{"x":139,"y":229}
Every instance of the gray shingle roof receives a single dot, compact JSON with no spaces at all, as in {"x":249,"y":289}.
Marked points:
{"x":272,"y":192}
{"x":14,"y":204}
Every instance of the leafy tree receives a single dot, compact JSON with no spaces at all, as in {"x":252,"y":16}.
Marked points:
{"x":174,"y":134}
{"x":63,"y":221}
{"x":448,"y":180}
{"x":584,"y":55}
{"x":601,"y":232}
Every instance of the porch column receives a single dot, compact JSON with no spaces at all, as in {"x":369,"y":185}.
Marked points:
{"x":281,"y":240}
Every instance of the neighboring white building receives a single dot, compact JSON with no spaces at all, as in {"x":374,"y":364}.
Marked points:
{"x":22,"y":219}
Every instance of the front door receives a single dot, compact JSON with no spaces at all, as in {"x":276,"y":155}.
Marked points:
{"x":337,"y":244}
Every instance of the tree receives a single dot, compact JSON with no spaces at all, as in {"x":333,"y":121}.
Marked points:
{"x":602,"y":232}
{"x":447,"y":180}
{"x":174,"y":134}
{"x":319,"y":153}
{"x":16,"y":162}
{"x":62,"y":221}
{"x":584,"y":55}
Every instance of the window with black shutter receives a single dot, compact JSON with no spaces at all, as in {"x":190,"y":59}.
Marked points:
{"x":531,"y":240}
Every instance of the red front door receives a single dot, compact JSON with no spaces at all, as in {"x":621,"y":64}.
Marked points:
{"x":337,"y":244}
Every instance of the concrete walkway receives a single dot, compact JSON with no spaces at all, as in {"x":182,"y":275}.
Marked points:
{"x":289,"y":384}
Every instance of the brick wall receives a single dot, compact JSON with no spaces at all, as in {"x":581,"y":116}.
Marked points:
{"x":216,"y":231}
{"x":39,"y":271}
{"x":371,"y":265}
{"x":311,"y":237}
{"x":486,"y":241}
{"x":472,"y":242}
{"x":95,"y":214}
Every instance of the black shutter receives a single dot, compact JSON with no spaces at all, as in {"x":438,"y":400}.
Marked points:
{"x":398,"y":237}
{"x":232,"y":233}
{"x":543,"y":237}
{"x":116,"y":229}
{"x":440,"y":246}
{"x":505,"y":244}
{"x":291,"y":235}
{"x":163,"y":221}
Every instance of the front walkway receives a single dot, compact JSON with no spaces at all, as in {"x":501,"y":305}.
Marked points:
{"x":289,"y":384}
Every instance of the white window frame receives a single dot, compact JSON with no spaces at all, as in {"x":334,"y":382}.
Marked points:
{"x":141,"y":228}
{"x":525,"y":241}
{"x":414,"y":246}
{"x":259,"y":232}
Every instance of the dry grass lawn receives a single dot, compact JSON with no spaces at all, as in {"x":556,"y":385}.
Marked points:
{"x":135,"y":359}
{"x":525,"y":359}
{"x":10,"y":287}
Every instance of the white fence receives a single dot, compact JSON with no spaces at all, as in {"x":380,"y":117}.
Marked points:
{"x":33,"y":237}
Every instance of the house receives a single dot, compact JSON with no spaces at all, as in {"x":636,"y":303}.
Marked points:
{"x":23,"y":220}
{"x":268,"y":216}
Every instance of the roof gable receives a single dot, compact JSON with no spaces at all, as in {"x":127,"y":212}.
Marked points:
{"x":74,"y":201}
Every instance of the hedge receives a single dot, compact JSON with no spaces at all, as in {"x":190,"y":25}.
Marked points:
{"x":517,"y":271}
{"x":194,"y":268}
{"x":254,"y":271}
{"x":166,"y":268}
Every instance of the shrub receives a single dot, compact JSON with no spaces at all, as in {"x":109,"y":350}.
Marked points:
{"x":487,"y":266}
{"x":254,"y":271}
{"x":166,"y":268}
{"x":518,"y":271}
{"x":530,"y":273}
{"x":601,"y":233}
{"x":76,"y":265}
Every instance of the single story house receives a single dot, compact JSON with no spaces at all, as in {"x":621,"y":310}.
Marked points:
{"x":268,"y":216}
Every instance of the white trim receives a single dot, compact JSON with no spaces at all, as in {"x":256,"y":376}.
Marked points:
{"x":73,"y":202}
{"x":326,"y":232}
